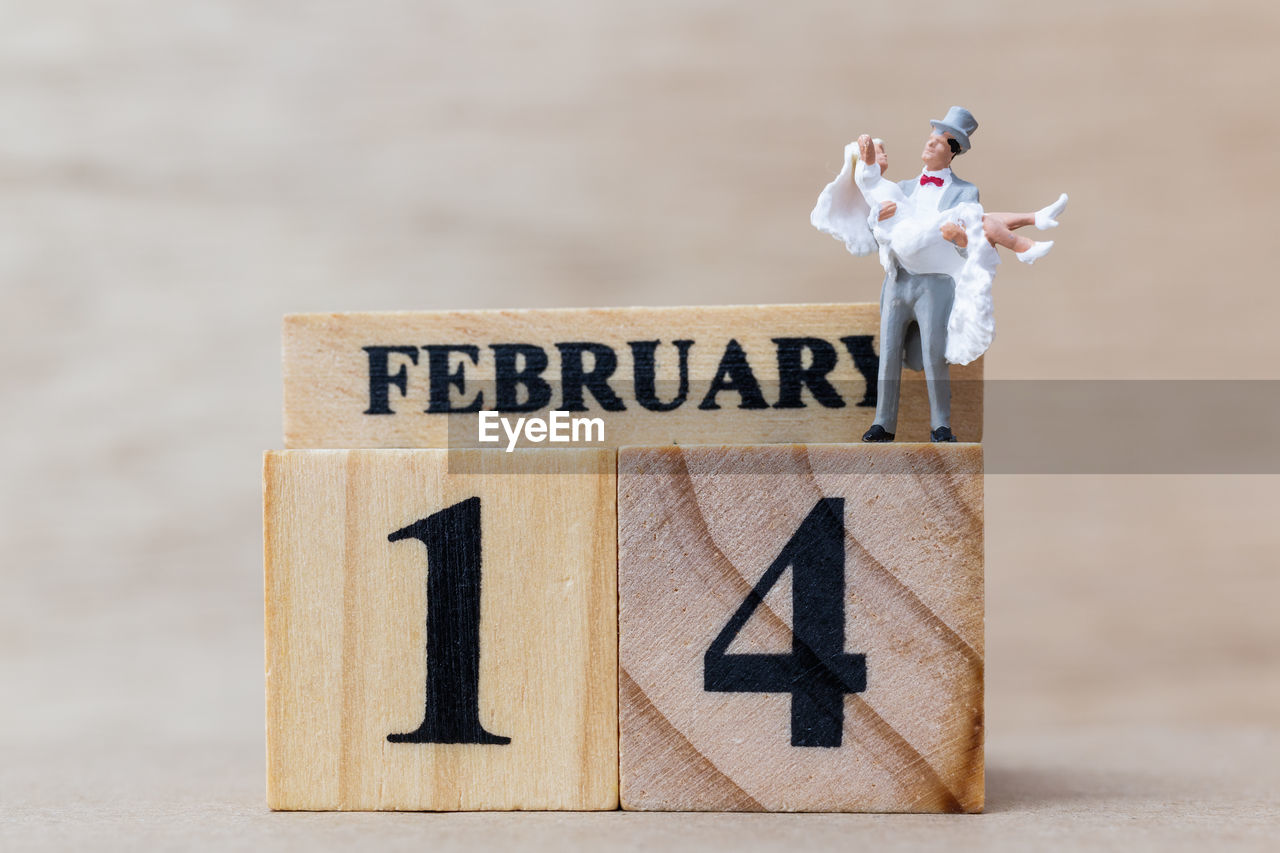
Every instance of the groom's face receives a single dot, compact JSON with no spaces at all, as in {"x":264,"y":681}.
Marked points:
{"x":937,"y":152}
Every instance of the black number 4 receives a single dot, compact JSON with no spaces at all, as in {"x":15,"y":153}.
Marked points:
{"x":818,"y":673}
{"x":452,"y":715}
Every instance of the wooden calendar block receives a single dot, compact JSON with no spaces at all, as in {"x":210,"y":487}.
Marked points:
{"x":741,"y":374}
{"x":440,"y":640}
{"x":800,"y":628}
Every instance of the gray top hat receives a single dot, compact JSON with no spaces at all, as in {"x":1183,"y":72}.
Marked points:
{"x":959,"y":123}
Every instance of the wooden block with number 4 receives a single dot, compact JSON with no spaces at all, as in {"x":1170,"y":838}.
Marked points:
{"x":800,"y":628}
{"x":441,"y":629}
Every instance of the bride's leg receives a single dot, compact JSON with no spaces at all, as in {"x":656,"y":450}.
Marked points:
{"x":1012,"y":221}
{"x":1042,"y":218}
{"x":996,"y":228}
{"x":998,"y":234}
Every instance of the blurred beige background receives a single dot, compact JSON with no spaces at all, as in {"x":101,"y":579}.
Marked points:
{"x":175,"y":177}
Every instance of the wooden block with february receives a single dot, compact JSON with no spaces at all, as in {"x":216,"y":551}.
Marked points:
{"x":801,"y":628}
{"x":741,"y":374}
{"x":440,"y":640}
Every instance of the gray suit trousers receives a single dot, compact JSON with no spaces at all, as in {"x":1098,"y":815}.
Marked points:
{"x":914,"y":307}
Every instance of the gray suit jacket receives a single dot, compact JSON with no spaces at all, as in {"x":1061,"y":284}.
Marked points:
{"x":958,"y":192}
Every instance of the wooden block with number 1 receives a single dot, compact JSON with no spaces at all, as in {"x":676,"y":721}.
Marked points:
{"x":441,"y":629}
{"x":800,"y":627}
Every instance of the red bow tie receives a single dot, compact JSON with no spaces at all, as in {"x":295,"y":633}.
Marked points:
{"x":926,"y":179}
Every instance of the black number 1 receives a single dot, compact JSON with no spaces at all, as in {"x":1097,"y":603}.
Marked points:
{"x":817,"y":672}
{"x":452,"y":537}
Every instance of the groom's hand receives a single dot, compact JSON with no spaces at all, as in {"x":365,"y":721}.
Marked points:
{"x":953,"y":233}
{"x":886,"y":210}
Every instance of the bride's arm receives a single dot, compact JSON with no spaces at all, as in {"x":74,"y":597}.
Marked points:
{"x":872,"y":162}
{"x":881,"y":195}
{"x":866,"y":172}
{"x":866,"y":150}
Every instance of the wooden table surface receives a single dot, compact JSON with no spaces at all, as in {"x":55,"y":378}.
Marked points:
{"x":175,"y":177}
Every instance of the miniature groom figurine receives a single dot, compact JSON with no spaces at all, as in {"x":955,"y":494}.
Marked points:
{"x":914,"y":307}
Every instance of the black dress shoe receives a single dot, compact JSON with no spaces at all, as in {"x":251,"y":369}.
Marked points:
{"x":942,"y":433}
{"x":878,"y":433}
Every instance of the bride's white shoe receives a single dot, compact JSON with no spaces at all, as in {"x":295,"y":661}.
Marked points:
{"x":1046,"y":217}
{"x":1037,"y":251}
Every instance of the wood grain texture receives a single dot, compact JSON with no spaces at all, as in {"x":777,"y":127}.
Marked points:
{"x":327,"y":374}
{"x":697,"y":528}
{"x":346,"y":612}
